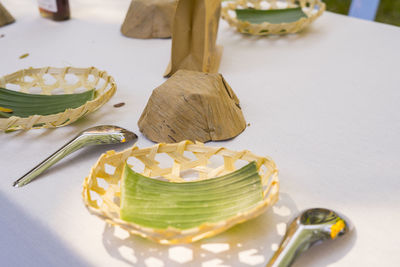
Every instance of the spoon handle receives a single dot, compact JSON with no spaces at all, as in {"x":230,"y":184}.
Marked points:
{"x":65,"y":150}
{"x":296,"y":241}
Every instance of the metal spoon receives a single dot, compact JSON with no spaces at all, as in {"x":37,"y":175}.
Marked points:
{"x":98,"y":135}
{"x":311,"y":227}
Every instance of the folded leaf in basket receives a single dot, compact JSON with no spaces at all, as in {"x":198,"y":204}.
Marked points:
{"x":159,"y":204}
{"x":22,"y":105}
{"x":273,"y":16}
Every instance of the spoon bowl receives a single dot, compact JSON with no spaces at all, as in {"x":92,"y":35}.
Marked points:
{"x":312,"y":226}
{"x":105,"y":134}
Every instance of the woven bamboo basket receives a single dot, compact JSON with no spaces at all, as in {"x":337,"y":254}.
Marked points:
{"x":312,"y":8}
{"x":49,"y":81}
{"x":101,"y":189}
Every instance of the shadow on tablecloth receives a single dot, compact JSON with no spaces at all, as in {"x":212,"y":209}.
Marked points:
{"x":248,"y":244}
{"x":26,"y":242}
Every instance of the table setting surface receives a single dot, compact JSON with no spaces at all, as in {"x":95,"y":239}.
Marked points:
{"x":323,"y":104}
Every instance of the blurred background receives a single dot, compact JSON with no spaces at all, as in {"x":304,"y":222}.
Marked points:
{"x":386,"y":11}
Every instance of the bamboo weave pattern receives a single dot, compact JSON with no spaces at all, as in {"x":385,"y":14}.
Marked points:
{"x":312,"y":8}
{"x":38,"y":78}
{"x":101,"y":189}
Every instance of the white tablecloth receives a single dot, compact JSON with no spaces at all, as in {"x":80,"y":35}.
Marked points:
{"x":324,"y":104}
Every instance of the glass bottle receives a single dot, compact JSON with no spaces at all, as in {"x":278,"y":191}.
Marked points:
{"x":54,"y":9}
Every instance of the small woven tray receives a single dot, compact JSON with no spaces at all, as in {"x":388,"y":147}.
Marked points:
{"x":101,"y":189}
{"x":49,"y":81}
{"x":312,"y":8}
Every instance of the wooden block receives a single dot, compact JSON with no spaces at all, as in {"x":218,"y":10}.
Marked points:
{"x":193,"y":106}
{"x":149,"y":19}
{"x":5,"y":16}
{"x":194,"y":36}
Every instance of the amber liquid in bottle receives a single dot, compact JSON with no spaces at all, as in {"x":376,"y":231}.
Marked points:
{"x":54,"y":9}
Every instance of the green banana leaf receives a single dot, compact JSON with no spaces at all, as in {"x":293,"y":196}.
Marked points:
{"x":24,"y":105}
{"x":274,"y":16}
{"x":159,"y":204}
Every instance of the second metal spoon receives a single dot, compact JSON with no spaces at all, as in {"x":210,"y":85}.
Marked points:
{"x":98,"y":135}
{"x":309,"y":228}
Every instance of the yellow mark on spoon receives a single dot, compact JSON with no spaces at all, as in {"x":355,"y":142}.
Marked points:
{"x":336,"y":228}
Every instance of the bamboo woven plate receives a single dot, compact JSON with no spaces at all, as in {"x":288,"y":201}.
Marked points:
{"x":312,"y":8}
{"x":101,"y":189}
{"x":49,"y":81}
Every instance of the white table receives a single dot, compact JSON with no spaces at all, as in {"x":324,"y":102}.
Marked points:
{"x":324,"y":104}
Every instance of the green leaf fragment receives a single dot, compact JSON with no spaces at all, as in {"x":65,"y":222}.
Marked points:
{"x":24,"y":105}
{"x":274,"y":16}
{"x":23,"y":55}
{"x":159,"y":204}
